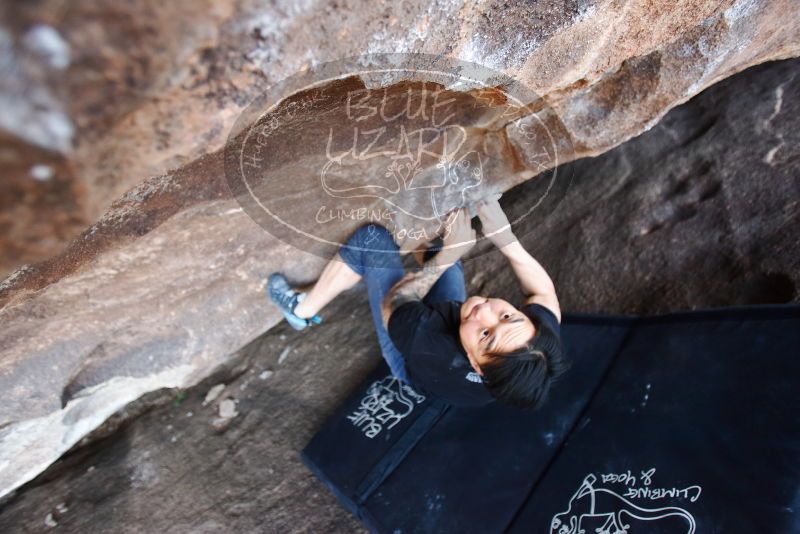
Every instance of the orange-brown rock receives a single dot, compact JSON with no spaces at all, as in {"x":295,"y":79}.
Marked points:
{"x":168,"y":281}
{"x":700,"y":211}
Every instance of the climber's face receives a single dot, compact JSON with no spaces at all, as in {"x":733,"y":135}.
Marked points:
{"x":492,"y":325}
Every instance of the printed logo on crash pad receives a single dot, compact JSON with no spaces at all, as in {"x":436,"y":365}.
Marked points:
{"x":472,"y":376}
{"x":386,"y":403}
{"x":612,"y":510}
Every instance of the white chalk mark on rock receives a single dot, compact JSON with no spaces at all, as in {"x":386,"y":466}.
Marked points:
{"x":42,"y":173}
{"x":265,"y":374}
{"x":769,"y":157}
{"x":284,"y":353}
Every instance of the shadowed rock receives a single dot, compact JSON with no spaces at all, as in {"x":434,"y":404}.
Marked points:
{"x":687,"y":215}
{"x":169,"y":281}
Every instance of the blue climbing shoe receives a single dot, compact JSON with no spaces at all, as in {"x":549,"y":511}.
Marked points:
{"x":281,"y":293}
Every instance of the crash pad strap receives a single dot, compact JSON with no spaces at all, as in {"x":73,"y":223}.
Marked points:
{"x":431,"y":414}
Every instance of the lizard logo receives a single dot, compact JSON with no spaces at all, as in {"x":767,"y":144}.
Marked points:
{"x":604,"y":504}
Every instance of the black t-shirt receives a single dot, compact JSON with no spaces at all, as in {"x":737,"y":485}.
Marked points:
{"x":427,"y":337}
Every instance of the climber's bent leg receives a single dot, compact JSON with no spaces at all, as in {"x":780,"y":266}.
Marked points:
{"x":372,"y":253}
{"x":449,"y":287}
{"x":336,"y":277}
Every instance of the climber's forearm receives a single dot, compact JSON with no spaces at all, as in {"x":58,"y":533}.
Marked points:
{"x":533,"y":278}
{"x":414,"y":285}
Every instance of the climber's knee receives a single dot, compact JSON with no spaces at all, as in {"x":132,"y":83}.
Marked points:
{"x":372,"y":237}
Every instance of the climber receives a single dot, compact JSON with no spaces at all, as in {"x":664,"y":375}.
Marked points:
{"x":466,"y":351}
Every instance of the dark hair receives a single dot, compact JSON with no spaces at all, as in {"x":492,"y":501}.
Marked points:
{"x":523,"y":377}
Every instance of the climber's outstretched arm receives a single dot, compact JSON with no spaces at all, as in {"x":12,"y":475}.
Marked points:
{"x":536,"y":284}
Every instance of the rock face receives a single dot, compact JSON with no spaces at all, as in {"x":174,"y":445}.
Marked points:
{"x":169,"y":281}
{"x":700,"y":211}
{"x":87,"y":86}
{"x":130,"y":91}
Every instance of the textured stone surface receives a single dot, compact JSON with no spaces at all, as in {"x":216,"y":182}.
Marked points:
{"x":41,"y":204}
{"x":168,"y":282}
{"x":95,"y":91}
{"x":701,"y":211}
{"x":132,"y":90}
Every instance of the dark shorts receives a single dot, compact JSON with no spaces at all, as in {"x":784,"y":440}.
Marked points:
{"x":372,"y":253}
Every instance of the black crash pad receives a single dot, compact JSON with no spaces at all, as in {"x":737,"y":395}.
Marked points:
{"x":682,"y":423}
